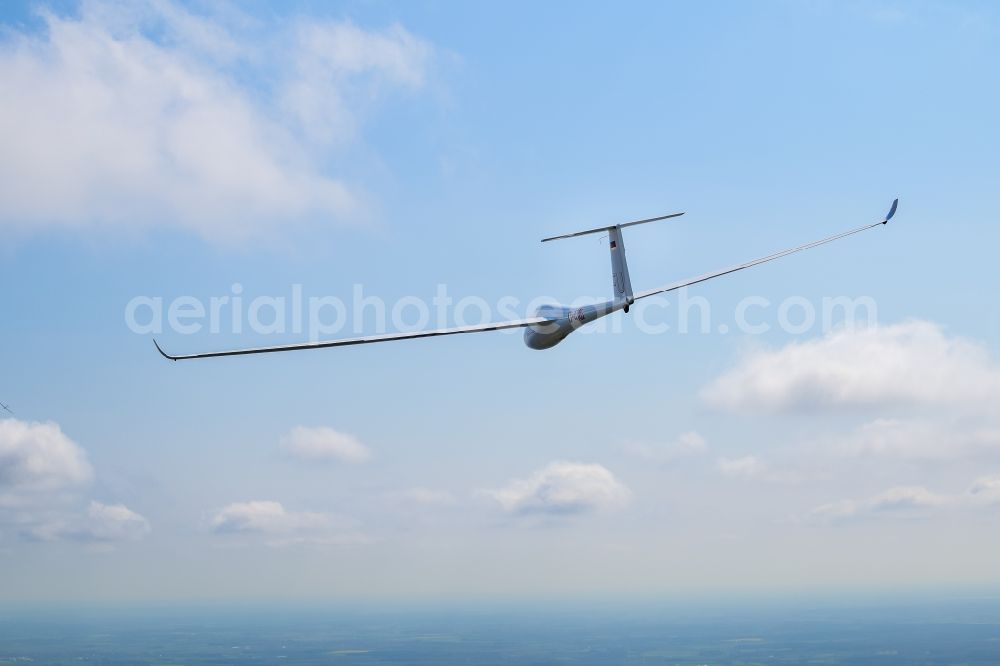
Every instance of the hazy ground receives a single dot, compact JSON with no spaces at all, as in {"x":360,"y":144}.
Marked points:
{"x":923,"y":633}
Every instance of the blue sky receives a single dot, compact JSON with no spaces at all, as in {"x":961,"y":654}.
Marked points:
{"x":168,"y":150}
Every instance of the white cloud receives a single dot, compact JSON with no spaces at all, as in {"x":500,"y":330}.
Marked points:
{"x":102,"y":523}
{"x":43,"y":475}
{"x":265,"y":517}
{"x":331,"y":53}
{"x":324,"y":444}
{"x":562,"y":488}
{"x":912,"y":363}
{"x":38,"y":458}
{"x":130,"y":116}
{"x":282,"y":527}
{"x":905,"y":498}
{"x":686,"y":445}
{"x":115,"y":522}
{"x":935,"y":393}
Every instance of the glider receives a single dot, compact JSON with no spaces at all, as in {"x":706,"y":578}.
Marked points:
{"x":553,"y":323}
{"x":7,"y":409}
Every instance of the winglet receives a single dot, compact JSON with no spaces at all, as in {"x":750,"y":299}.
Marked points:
{"x":163,"y":353}
{"x":892,"y":211}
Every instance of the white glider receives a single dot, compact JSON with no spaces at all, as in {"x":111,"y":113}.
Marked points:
{"x":553,"y":323}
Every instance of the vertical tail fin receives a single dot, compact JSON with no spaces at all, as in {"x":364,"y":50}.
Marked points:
{"x":620,"y":281}
{"x":621,"y":284}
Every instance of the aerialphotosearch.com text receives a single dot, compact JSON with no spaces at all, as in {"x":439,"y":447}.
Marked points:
{"x":296,"y":313}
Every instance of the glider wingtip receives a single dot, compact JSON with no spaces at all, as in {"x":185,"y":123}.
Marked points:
{"x":163,"y":353}
{"x":892,"y":210}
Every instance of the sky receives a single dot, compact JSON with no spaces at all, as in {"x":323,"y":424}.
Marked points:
{"x":162,"y":155}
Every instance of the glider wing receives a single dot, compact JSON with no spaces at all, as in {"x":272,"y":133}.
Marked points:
{"x":368,"y":339}
{"x":763,"y":260}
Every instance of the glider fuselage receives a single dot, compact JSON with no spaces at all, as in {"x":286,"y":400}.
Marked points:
{"x":565,"y":320}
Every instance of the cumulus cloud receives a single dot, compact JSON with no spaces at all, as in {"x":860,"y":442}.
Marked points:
{"x":562,"y":488}
{"x":115,"y":522}
{"x":912,"y":363}
{"x":137,"y":115}
{"x":38,"y":457}
{"x":283,"y":527}
{"x":324,"y":444}
{"x":935,"y":393}
{"x":43,"y":477}
{"x":265,"y":517}
{"x":686,"y":445}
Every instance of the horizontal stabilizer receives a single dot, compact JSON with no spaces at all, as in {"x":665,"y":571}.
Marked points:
{"x":600,"y":229}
